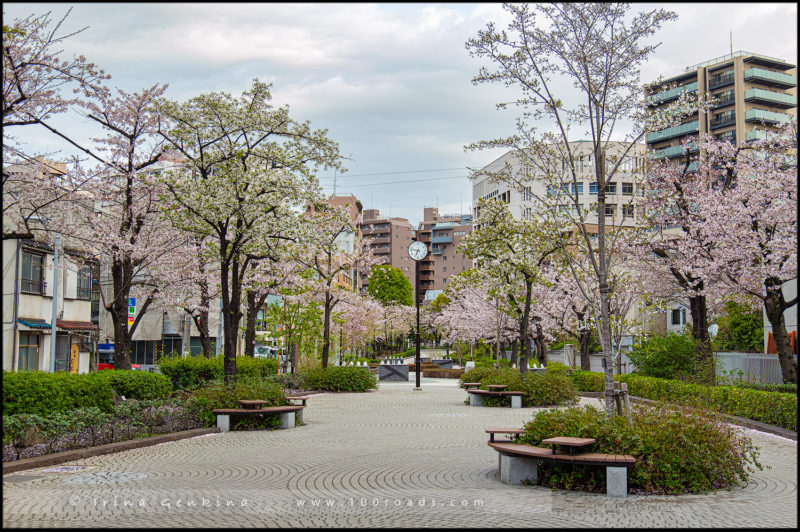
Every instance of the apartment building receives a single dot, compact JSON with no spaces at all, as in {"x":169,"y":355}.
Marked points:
{"x":441,"y":233}
{"x":389,"y":239}
{"x":524,"y":200}
{"x":752,"y":93}
{"x":34,"y":290}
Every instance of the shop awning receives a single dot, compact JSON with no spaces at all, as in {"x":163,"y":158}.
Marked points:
{"x":34,"y":323}
{"x":77,"y":326}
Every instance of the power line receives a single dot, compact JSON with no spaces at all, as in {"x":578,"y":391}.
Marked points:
{"x":394,"y":173}
{"x":407,"y":181}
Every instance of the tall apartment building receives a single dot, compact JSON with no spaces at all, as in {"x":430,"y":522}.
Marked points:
{"x":389,"y":239}
{"x":753,"y":93}
{"x":621,"y":192}
{"x":442,"y":235}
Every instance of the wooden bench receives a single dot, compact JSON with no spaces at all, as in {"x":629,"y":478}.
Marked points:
{"x":515,"y":433}
{"x":287,"y":414}
{"x":302,"y":398}
{"x":476,"y":397}
{"x":468,"y":385}
{"x":520,"y":462}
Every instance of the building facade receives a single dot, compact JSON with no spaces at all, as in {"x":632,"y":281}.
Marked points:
{"x":751,"y":93}
{"x":442,"y":234}
{"x":389,"y":239}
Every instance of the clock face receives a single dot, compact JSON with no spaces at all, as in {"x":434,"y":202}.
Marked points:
{"x":417,"y":250}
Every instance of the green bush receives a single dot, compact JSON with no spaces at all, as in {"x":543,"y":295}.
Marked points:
{"x":37,"y":392}
{"x":666,"y":357}
{"x":216,"y":394}
{"x":676,"y":451}
{"x":294,"y":381}
{"x":740,"y":329}
{"x":190,"y":372}
{"x":540,"y":389}
{"x":340,"y":379}
{"x":774,"y":408}
{"x":138,"y":384}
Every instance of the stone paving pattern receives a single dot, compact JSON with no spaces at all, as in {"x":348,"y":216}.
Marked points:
{"x":380,"y":449}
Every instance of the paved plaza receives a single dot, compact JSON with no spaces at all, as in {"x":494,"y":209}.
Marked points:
{"x":391,"y":458}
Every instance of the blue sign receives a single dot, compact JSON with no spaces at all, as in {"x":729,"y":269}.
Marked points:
{"x":131,"y":301}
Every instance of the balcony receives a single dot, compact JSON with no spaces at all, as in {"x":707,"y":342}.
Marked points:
{"x":727,"y":120}
{"x":724,"y":102}
{"x":380,"y":240}
{"x":757,"y":115}
{"x":436,"y":251}
{"x":772,"y":98}
{"x":442,"y":240}
{"x":672,"y":132}
{"x":382,"y":251}
{"x":671,"y":94}
{"x":720,"y":81}
{"x":673,"y":151}
{"x":770,"y":78}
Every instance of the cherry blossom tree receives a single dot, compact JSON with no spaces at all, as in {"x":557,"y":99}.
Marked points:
{"x":36,"y":77}
{"x":249,"y":168}
{"x":599,"y":48}
{"x":332,"y":260}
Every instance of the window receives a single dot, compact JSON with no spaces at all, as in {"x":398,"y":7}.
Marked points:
{"x":593,"y":188}
{"x":627,"y":189}
{"x":28,"y":351}
{"x":611,"y":188}
{"x":610,"y":209}
{"x":84,"y":283}
{"x":444,"y":269}
{"x":627,"y":211}
{"x":32,"y":273}
{"x":677,"y":314}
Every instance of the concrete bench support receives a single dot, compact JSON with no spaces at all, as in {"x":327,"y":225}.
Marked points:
{"x":287,"y":420}
{"x":515,"y":469}
{"x":616,"y":481}
{"x":475,"y":399}
{"x":224,"y":422}
{"x":516,"y":401}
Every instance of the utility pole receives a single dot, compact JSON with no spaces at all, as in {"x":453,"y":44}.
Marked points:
{"x":56,"y":242}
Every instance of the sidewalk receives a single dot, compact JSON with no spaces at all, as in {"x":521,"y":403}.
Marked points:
{"x":359,"y":462}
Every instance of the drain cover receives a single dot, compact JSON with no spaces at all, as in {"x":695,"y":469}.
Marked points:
{"x":109,"y":477}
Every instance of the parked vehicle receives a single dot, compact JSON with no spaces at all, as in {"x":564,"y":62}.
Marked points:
{"x":105,"y":358}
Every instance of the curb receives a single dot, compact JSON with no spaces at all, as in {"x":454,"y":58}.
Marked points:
{"x":736,"y":420}
{"x":108,"y":448}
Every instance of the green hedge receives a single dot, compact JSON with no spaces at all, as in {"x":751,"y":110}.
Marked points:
{"x":774,"y":408}
{"x":190,"y":372}
{"x":37,"y":392}
{"x":540,"y":389}
{"x":215,"y":394}
{"x":138,"y":384}
{"x":677,"y":450}
{"x":340,"y":379}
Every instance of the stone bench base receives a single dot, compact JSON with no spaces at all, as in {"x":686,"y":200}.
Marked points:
{"x":290,"y":416}
{"x":476,"y":399}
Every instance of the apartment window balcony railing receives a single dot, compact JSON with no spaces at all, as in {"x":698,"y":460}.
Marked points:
{"x":436,"y":251}
{"x":671,"y":94}
{"x":757,"y":115}
{"x":380,"y":240}
{"x":673,"y":151}
{"x":775,"y":99}
{"x":442,"y":240}
{"x":724,"y":102}
{"x":720,"y":81}
{"x":381,"y":251}
{"x":675,"y":131}
{"x":770,"y":78}
{"x":723,"y":121}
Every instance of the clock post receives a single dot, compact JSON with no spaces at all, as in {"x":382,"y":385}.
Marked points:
{"x":417,"y":251}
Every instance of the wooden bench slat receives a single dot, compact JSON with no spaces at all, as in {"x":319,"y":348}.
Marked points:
{"x":619,"y":460}
{"x":569,"y":440}
{"x":505,"y":431}
{"x":268,"y":410}
{"x":489,"y":392}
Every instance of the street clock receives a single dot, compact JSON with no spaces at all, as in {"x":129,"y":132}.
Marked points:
{"x":417,"y":251}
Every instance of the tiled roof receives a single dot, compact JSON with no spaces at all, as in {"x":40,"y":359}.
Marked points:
{"x":33,"y":323}
{"x":77,"y":325}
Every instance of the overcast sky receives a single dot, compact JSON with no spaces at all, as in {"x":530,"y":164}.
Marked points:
{"x":390,"y":82}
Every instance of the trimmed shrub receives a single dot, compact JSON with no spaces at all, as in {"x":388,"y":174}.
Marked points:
{"x":540,"y":389}
{"x":442,"y":373}
{"x":677,"y":451}
{"x":774,"y":408}
{"x":289,"y":380}
{"x":666,"y":357}
{"x":340,"y":379}
{"x":190,"y":372}
{"x":37,"y":392}
{"x":138,"y":384}
{"x":216,"y":394}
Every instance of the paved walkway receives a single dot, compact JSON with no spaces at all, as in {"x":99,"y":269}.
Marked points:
{"x":359,"y":462}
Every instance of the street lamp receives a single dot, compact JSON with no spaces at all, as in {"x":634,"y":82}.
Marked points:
{"x":417,"y":251}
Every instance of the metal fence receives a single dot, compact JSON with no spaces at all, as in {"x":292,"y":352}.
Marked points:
{"x":754,"y":367}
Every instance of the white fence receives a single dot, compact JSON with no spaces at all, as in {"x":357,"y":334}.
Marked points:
{"x":755,"y":367}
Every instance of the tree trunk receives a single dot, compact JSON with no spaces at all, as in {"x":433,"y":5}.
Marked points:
{"x":514,"y":350}
{"x":253,"y":304}
{"x":585,"y":336}
{"x":775,"y":305}
{"x":326,"y":330}
{"x":602,"y":276}
{"x":230,"y":313}
{"x":705,"y":371}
